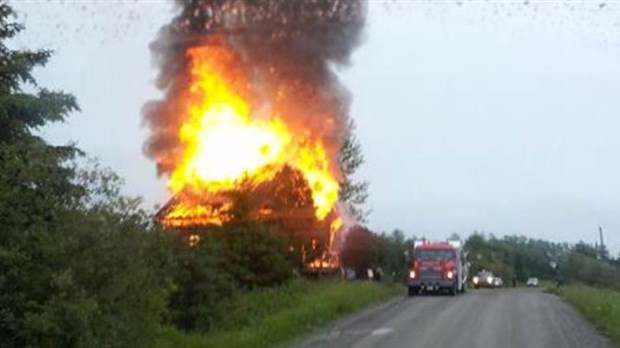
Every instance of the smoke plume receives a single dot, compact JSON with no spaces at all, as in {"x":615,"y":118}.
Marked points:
{"x":289,"y":49}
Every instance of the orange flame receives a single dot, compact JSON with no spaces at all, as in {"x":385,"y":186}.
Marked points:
{"x":198,"y":214}
{"x":225,"y":143}
{"x":329,"y":260}
{"x":334,"y":229}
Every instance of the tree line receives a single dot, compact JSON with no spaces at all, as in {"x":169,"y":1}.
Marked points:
{"x":510,"y":257}
{"x":519,"y":257}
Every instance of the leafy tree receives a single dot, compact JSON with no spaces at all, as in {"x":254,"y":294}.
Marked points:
{"x":512,"y":256}
{"x":201,"y":284}
{"x":578,"y":267}
{"x":21,"y":112}
{"x":603,"y":252}
{"x":455,"y":236}
{"x":586,"y":249}
{"x":391,"y":254}
{"x":80,"y":265}
{"x":519,"y":268}
{"x":616,"y":261}
{"x":235,"y":257}
{"x":76,"y":269}
{"x":254,"y":255}
{"x":353,"y":193}
{"x":359,"y":250}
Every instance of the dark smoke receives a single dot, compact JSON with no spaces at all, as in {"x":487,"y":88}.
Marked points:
{"x":289,"y":48}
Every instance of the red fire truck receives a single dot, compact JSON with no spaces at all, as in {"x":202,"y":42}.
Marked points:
{"x":438,"y":266}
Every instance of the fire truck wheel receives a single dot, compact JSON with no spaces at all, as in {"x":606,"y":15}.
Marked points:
{"x":453,"y":290}
{"x":411,"y":291}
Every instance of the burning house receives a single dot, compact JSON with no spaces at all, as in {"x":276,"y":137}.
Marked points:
{"x":251,"y":105}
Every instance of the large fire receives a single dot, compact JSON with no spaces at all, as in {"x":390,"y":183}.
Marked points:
{"x":253,"y":118}
{"x":225,"y":143}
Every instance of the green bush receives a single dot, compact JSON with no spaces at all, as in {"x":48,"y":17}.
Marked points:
{"x":237,"y":256}
{"x":588,"y":270}
{"x":79,"y":269}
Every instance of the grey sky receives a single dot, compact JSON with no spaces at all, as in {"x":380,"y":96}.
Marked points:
{"x":492,"y":116}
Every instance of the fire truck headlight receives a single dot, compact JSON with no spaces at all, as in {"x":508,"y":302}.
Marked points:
{"x":450,"y":275}
{"x":475,"y":280}
{"x":490,"y":280}
{"x":412,"y":274}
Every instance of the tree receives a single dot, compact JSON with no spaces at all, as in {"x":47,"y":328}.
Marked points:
{"x":391,"y":252}
{"x":22,"y":112}
{"x":228,"y":259}
{"x":522,"y":257}
{"x":201,"y":284}
{"x":359,"y":250}
{"x":586,"y":249}
{"x":80,"y":265}
{"x":353,"y":193}
{"x":603,"y":252}
{"x":454,"y":237}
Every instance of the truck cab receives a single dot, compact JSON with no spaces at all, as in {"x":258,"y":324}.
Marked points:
{"x":437,"y":267}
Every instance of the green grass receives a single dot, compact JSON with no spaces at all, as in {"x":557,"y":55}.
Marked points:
{"x":600,"y":306}
{"x":267,"y":317}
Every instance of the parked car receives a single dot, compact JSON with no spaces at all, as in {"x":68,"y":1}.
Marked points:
{"x":532,"y":282}
{"x":498,"y":282}
{"x":484,"y":279}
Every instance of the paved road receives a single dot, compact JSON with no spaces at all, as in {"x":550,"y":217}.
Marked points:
{"x":478,"y":319}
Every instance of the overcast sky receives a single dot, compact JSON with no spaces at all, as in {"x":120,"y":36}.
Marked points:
{"x":501,"y":117}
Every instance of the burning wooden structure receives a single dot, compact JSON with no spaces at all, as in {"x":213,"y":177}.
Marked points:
{"x":253,"y":117}
{"x":284,"y":203}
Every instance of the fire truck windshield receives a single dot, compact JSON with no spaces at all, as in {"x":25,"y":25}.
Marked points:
{"x":427,"y":255}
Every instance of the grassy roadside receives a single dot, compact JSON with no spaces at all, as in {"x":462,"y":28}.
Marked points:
{"x":267,"y":317}
{"x":599,"y":306}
